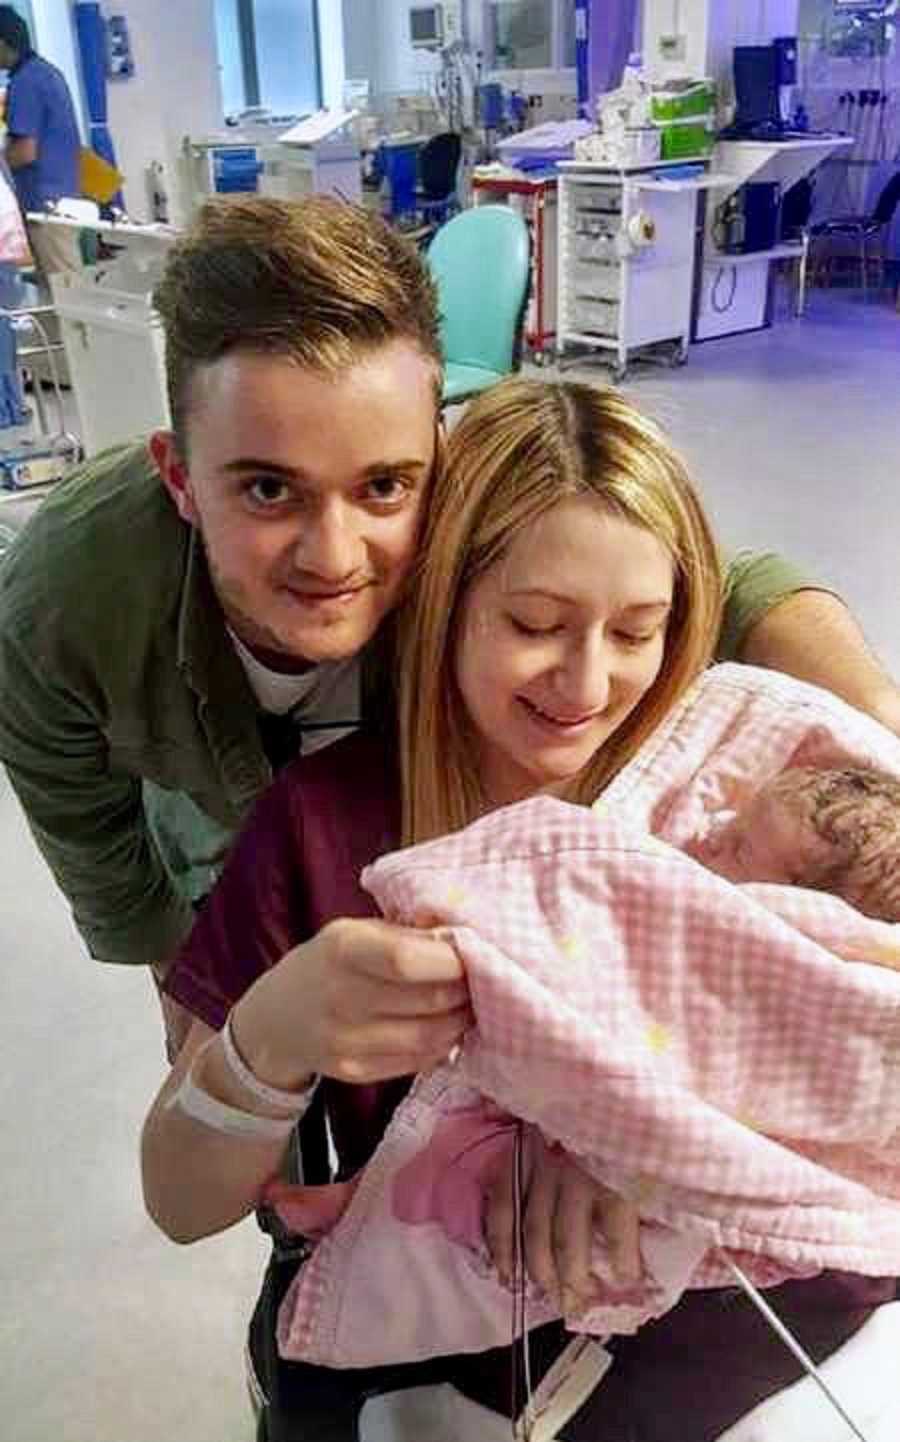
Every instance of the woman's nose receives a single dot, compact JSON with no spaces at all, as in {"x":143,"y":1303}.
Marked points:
{"x":585,"y":679}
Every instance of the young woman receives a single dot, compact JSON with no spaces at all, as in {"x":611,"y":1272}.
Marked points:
{"x":569,"y":594}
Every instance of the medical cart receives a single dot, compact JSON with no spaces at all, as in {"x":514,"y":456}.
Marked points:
{"x":626,"y":257}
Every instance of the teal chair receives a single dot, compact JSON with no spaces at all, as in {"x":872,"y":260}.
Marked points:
{"x":481,"y":262}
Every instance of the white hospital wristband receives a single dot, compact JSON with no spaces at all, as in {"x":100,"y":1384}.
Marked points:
{"x":201,"y":1107}
{"x":294,"y":1102}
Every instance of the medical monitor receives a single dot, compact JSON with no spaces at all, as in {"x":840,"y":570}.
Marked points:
{"x":755,"y":86}
{"x":426,"y":26}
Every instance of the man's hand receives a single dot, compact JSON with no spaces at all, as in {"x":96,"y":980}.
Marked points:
{"x":564,"y":1207}
{"x":363,"y":1001}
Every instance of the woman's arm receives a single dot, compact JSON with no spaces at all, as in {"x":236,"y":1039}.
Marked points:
{"x":197,"y":1180}
{"x":363,"y":1001}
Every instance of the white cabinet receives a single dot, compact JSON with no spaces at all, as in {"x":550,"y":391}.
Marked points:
{"x":626,"y":256}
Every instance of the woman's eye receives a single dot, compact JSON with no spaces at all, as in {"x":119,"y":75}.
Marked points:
{"x":268,"y":490}
{"x":524,"y":629}
{"x":634,"y":640}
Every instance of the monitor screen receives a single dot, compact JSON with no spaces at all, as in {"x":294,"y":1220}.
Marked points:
{"x":425,"y":25}
{"x":755,"y":84}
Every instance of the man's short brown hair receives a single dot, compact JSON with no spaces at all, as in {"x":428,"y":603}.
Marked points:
{"x":319,"y":280}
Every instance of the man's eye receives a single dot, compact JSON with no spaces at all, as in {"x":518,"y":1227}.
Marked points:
{"x":267,"y":490}
{"x":387,"y":487}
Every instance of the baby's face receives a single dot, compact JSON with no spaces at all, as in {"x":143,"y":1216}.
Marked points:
{"x":771,"y":841}
{"x":834,"y":832}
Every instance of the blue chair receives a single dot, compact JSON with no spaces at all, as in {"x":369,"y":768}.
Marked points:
{"x":482,"y":265}
{"x":398,"y":163}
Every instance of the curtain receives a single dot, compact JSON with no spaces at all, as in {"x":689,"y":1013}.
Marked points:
{"x":611,"y":39}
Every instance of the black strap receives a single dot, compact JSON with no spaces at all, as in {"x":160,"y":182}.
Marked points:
{"x":281,"y":734}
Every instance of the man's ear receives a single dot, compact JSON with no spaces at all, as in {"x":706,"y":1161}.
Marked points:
{"x":175,"y":475}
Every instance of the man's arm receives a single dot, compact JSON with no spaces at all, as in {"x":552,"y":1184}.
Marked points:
{"x":813,"y":636}
{"x":21,"y":150}
{"x":777,"y":616}
{"x":23,"y":122}
{"x":88,"y":821}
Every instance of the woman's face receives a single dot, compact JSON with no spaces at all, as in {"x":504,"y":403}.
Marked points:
{"x":558,"y":642}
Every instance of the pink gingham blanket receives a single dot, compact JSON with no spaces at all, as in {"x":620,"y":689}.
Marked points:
{"x":700,"y":1047}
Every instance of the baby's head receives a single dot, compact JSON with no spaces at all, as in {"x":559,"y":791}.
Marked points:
{"x":835,"y":830}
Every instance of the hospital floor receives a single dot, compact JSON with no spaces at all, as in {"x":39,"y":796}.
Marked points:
{"x":109,"y":1333}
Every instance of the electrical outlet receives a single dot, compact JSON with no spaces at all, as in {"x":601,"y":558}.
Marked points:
{"x":673,"y":47}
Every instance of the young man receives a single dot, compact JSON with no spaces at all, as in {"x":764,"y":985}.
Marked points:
{"x":43,"y":145}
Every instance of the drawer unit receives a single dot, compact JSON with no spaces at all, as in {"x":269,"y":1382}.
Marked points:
{"x":596,"y":317}
{"x":626,"y":255}
{"x":599,"y":280}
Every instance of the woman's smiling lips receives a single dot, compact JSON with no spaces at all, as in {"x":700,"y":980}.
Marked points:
{"x":556,"y":722}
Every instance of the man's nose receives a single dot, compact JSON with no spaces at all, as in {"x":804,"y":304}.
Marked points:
{"x":329,"y":545}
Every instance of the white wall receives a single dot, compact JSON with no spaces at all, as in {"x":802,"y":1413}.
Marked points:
{"x":376,"y":37}
{"x":687,"y":18}
{"x":54,"y":38}
{"x":331,"y":49}
{"x":361,"y":33}
{"x":742,"y":22}
{"x":174,"y":92}
{"x":712,"y":28}
{"x":853,"y":182}
{"x":401,"y":66}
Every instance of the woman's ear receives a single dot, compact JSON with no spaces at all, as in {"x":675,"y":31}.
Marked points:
{"x":175,"y":475}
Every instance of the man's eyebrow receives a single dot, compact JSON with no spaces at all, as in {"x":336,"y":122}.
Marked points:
{"x":243,"y":464}
{"x":257,"y":463}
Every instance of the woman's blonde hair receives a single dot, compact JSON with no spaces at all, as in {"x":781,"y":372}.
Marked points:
{"x":519,"y":449}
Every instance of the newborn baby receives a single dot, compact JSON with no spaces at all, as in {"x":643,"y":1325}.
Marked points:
{"x":834,"y":830}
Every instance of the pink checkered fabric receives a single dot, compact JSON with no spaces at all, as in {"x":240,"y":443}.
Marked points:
{"x":700,"y":1047}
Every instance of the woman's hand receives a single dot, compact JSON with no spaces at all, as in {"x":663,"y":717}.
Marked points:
{"x":563,"y":1208}
{"x":363,"y":1001}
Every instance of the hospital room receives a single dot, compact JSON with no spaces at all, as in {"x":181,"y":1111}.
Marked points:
{"x":450,"y":720}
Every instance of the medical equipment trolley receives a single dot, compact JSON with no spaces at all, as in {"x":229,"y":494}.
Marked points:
{"x":627,"y":245}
